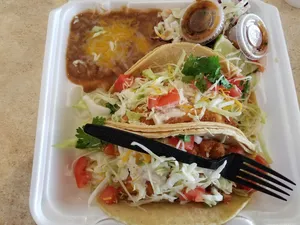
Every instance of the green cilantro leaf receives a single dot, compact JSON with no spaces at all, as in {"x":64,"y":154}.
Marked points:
{"x":195,"y":68}
{"x":246,"y":88}
{"x":225,"y":83}
{"x":185,"y":138}
{"x":113,"y":108}
{"x":206,"y":65}
{"x":201,"y":85}
{"x":98,"y":120}
{"x":85,"y":140}
{"x":188,"y":79}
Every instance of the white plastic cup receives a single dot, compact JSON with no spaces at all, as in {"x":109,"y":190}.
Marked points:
{"x":295,"y":3}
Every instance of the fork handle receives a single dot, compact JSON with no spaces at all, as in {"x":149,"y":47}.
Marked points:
{"x":125,"y":139}
{"x":181,"y":156}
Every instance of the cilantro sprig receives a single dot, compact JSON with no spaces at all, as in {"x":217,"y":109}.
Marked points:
{"x":113,"y":108}
{"x":246,"y":88}
{"x":203,"y":69}
{"x":85,"y":140}
{"x":185,"y":138}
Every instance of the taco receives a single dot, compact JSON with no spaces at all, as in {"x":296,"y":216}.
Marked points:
{"x":137,"y":188}
{"x":178,"y":83}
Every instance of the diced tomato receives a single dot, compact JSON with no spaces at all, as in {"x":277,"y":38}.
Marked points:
{"x":189,"y":146}
{"x":109,"y":195}
{"x":152,"y":101}
{"x":235,"y":92}
{"x":237,"y":82}
{"x":261,"y":160}
{"x":172,"y":98}
{"x":195,"y":195}
{"x":147,"y":121}
{"x":236,"y":149}
{"x":182,"y":198}
{"x":111,"y":150}
{"x":149,"y":189}
{"x":123,"y":82}
{"x":173,"y":141}
{"x":209,"y":84}
{"x":82,"y":176}
{"x":226,"y":198}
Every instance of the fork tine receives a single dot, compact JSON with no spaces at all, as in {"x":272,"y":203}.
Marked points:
{"x":257,"y":187}
{"x":267,"y":169}
{"x":260,"y":181}
{"x":263,"y":175}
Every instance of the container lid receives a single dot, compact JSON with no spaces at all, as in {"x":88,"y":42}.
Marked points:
{"x":252,"y":36}
{"x":202,"y":21}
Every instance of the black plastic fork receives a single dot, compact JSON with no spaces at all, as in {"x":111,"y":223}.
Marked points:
{"x":239,"y":169}
{"x":248,"y":172}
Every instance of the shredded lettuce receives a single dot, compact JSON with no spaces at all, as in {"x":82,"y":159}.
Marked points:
{"x":133,"y":116}
{"x":213,"y":198}
{"x":80,"y":105}
{"x":167,"y":177}
{"x":149,"y":74}
{"x":95,"y":109}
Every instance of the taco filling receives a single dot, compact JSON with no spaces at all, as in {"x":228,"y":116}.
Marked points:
{"x":193,"y":90}
{"x":117,"y":174}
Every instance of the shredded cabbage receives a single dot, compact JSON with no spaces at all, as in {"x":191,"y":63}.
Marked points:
{"x":167,"y":176}
{"x":133,"y":116}
{"x":95,"y":109}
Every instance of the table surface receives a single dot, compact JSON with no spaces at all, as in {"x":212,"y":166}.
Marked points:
{"x":23,"y":26}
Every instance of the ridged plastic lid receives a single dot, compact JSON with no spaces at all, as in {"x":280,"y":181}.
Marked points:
{"x":252,"y":36}
{"x":202,"y":21}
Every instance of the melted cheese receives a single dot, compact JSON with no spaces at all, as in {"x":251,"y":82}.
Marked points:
{"x":117,"y":42}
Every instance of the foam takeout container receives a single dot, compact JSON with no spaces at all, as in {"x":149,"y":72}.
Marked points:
{"x":54,"y":196}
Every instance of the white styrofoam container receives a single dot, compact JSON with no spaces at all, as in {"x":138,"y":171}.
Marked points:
{"x":54,"y":197}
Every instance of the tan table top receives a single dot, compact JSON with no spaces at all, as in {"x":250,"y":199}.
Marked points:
{"x":23,"y":27}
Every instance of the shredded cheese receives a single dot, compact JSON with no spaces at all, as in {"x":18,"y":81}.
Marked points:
{"x":78,"y":61}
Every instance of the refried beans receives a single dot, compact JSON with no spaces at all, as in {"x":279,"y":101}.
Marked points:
{"x":103,"y":45}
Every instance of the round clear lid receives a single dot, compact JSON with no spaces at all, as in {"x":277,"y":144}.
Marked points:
{"x":252,"y":36}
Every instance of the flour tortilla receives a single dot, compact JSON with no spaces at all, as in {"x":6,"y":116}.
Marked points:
{"x":173,"y":213}
{"x":164,"y":213}
{"x":176,"y":214}
{"x":218,"y":131}
{"x":170,"y":53}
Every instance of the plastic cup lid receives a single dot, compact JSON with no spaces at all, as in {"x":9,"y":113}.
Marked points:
{"x":202,"y":21}
{"x":252,"y":36}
